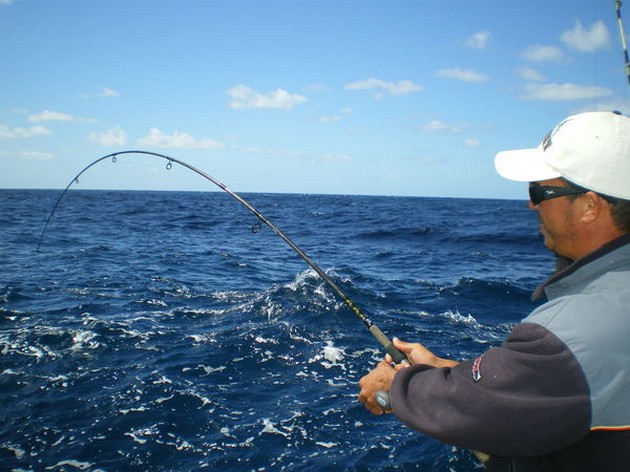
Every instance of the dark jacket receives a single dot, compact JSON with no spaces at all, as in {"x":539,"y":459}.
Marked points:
{"x":556,"y":394}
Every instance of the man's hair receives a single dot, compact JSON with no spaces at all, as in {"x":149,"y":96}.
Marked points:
{"x":619,"y":208}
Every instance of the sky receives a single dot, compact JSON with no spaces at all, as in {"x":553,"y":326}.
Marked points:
{"x":366,"y":97}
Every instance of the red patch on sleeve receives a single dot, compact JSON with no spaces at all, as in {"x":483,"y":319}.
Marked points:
{"x":476,"y":369}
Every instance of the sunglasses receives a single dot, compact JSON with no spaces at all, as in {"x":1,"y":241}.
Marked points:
{"x":539,"y":193}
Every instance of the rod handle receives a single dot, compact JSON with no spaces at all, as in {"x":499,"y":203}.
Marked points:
{"x":382,"y":397}
{"x":397,"y":356}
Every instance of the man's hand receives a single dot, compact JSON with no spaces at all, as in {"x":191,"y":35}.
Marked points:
{"x":379,"y":379}
{"x":418,"y":354}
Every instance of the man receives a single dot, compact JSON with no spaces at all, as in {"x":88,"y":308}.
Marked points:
{"x":556,"y":394}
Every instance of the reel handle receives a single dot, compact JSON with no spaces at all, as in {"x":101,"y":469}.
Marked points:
{"x":382,"y":400}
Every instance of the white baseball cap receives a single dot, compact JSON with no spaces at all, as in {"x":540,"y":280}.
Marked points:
{"x":589,"y":149}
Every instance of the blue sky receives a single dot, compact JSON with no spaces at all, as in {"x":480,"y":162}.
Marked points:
{"x":377,"y":97}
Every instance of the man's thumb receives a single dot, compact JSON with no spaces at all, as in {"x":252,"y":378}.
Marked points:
{"x":401,"y":345}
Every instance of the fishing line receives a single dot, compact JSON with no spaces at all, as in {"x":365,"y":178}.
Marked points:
{"x":396,"y":355}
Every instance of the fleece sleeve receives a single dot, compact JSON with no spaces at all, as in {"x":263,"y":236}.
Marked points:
{"x":527,"y":397}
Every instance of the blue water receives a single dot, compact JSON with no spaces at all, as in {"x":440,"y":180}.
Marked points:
{"x":157,"y":331}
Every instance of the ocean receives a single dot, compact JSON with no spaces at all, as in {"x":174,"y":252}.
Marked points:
{"x":164,"y":331}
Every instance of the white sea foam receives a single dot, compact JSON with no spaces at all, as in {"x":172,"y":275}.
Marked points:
{"x":327,"y":445}
{"x":458,"y":318}
{"x":211,"y":370}
{"x":62,"y":379}
{"x":204,"y":400}
{"x":332,"y":383}
{"x":72,"y":463}
{"x":17,"y":451}
{"x":162,"y":380}
{"x":269,"y":428}
{"x":332,"y":354}
{"x":204,"y":338}
{"x":136,"y":438}
{"x":83,"y":340}
{"x":129,"y":410}
{"x":163,"y":399}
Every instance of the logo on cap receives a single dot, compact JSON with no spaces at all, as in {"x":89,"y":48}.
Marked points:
{"x":548,"y":140}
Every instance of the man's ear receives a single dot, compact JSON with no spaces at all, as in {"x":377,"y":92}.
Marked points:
{"x":592,"y":206}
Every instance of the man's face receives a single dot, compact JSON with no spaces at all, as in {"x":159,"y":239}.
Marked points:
{"x":558,"y":222}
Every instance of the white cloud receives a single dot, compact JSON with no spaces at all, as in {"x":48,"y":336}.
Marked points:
{"x":563,"y":92}
{"x":112,"y":137}
{"x":613,"y":103}
{"x":36,"y":155}
{"x":433,"y":126}
{"x":277,"y":152}
{"x":543,"y":54}
{"x":463,"y":75}
{"x":478,"y":40}
{"x":48,"y":115}
{"x":293,"y":154}
{"x":330,"y":119}
{"x":586,"y":39}
{"x":331,"y":158}
{"x":531,"y":75}
{"x":438,"y":126}
{"x":22,"y":133}
{"x":108,"y":92}
{"x":244,"y":97}
{"x":6,"y":2}
{"x":393,"y":88}
{"x":471,"y":142}
{"x":318,"y":88}
{"x":177,"y":140}
{"x":336,"y":118}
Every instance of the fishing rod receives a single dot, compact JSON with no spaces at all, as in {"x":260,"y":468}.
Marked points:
{"x":387,"y":344}
{"x":623,"y":39}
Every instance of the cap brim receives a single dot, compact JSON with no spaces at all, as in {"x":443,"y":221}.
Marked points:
{"x":524,"y":165}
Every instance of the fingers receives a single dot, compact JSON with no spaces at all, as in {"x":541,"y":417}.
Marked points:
{"x":415,"y":352}
{"x":403,"y":346}
{"x":379,"y":379}
{"x":371,"y":406}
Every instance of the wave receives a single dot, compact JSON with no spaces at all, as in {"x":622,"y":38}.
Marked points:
{"x":157,"y":332}
{"x":403,"y":233}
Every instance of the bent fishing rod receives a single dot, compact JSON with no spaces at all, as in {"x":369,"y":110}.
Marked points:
{"x":623,"y":39}
{"x":395,"y":354}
